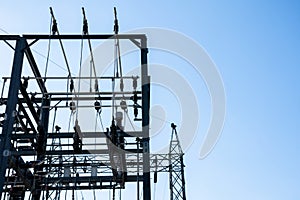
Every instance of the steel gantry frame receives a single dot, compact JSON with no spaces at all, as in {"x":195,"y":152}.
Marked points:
{"x":26,"y":121}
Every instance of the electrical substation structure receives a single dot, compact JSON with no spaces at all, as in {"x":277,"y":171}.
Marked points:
{"x":42,"y":159}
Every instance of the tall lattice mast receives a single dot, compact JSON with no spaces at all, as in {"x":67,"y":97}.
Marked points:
{"x":176,"y":167}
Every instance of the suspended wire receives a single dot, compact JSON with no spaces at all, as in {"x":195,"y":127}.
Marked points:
{"x":4,"y":31}
{"x":91,"y":74}
{"x":161,"y":119}
{"x":94,"y":194}
{"x":113,"y":98}
{"x":124,"y":122}
{"x":43,"y":194}
{"x":96,"y":129}
{"x":86,"y":32}
{"x":116,"y":68}
{"x":117,"y":63}
{"x":82,"y":198}
{"x":154,"y":191}
{"x":101,"y":122}
{"x":28,"y":197}
{"x":118,"y":51}
{"x":70,"y":118}
{"x":43,"y":56}
{"x":55,"y":106}
{"x":3,"y":86}
{"x":129,"y":120}
{"x":70,"y":121}
{"x":48,"y":53}
{"x":119,"y":57}
{"x":116,"y":30}
{"x":56,"y":31}
{"x":141,"y":194}
{"x":93,"y":65}
{"x":50,"y":60}
{"x":80,"y":66}
{"x":54,"y":117}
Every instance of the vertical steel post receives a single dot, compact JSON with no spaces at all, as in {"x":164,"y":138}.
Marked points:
{"x":10,"y":113}
{"x":138,"y":170}
{"x":171,"y":177}
{"x":145,"y":120}
{"x":42,"y":138}
{"x":182,"y":177}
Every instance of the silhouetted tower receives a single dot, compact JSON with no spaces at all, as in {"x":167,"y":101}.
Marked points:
{"x":176,"y":167}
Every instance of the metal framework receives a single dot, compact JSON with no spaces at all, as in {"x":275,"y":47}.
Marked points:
{"x":36,"y":162}
{"x":177,"y":181}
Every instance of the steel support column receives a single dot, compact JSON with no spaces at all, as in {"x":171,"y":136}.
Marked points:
{"x":10,"y":113}
{"x":145,"y":120}
{"x":42,"y":142}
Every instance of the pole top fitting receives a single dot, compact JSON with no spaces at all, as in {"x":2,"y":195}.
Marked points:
{"x":173,"y":126}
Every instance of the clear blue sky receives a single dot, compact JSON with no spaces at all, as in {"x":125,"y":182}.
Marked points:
{"x":255,"y":45}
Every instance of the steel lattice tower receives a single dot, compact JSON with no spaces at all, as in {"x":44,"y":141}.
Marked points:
{"x":177,"y":181}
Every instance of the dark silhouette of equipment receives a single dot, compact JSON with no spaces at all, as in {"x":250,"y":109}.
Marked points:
{"x":41,"y":163}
